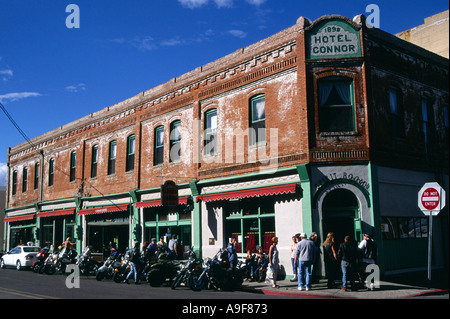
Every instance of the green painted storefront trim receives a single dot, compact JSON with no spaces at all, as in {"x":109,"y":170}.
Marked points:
{"x":305,"y":182}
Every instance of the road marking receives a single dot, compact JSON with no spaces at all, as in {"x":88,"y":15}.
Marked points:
{"x":25,"y":294}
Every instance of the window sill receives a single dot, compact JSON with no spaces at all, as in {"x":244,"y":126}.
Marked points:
{"x":335,"y":134}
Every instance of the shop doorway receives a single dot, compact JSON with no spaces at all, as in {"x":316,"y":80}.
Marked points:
{"x":340,"y":214}
{"x":101,"y":237}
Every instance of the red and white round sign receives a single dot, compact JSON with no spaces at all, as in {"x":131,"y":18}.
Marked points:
{"x":431,"y":198}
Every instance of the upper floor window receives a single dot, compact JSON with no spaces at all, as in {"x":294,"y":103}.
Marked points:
{"x":14,"y":183}
{"x":36,"y":175}
{"x":73,"y":164}
{"x":158,"y":156}
{"x":175,"y":138}
{"x":257,"y":119}
{"x":336,"y":105}
{"x":396,"y":111}
{"x":131,"y":146}
{"x":446,"y":116}
{"x":427,"y":121}
{"x":94,"y":160}
{"x":112,"y":157}
{"x":211,"y":132}
{"x":51,"y":171}
{"x":24,"y":179}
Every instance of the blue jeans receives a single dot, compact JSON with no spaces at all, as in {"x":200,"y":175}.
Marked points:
{"x":133,"y":271}
{"x":347,"y":273}
{"x":294,"y":267}
{"x":304,"y":272}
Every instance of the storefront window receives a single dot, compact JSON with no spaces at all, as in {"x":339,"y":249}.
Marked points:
{"x":252,"y":223}
{"x":404,"y":227}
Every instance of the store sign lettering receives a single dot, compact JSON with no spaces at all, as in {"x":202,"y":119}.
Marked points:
{"x":334,"y":40}
{"x":342,"y":177}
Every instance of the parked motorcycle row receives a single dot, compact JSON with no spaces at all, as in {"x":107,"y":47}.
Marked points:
{"x":194,"y":273}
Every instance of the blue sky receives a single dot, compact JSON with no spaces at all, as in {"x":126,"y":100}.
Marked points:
{"x":51,"y":75}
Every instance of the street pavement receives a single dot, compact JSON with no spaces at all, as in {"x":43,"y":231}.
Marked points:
{"x":386,"y":290}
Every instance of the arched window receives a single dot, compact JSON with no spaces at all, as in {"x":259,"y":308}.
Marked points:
{"x":94,"y":161}
{"x":158,"y":150}
{"x":396,"y":111}
{"x":336,"y":105}
{"x":112,"y":157}
{"x":131,"y":146}
{"x":24,"y":179}
{"x":51,"y":171}
{"x":175,"y":138}
{"x":210,"y":133}
{"x":257,"y":119}
{"x":73,"y":164}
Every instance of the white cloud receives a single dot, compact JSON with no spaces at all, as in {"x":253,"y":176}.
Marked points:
{"x":256,"y":2}
{"x":238,"y":33}
{"x":3,"y":173}
{"x":192,"y":4}
{"x":75,"y":88}
{"x":224,"y":3}
{"x":11,"y":97}
{"x":143,"y":43}
{"x":6,"y":74}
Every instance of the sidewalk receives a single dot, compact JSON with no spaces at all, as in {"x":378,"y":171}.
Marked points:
{"x":387,"y":290}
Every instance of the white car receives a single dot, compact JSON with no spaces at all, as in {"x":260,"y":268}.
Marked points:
{"x":20,"y":257}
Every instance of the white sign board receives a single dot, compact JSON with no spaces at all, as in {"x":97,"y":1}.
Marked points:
{"x":431,"y":199}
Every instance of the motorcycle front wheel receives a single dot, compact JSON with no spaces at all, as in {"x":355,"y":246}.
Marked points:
{"x":195,"y":282}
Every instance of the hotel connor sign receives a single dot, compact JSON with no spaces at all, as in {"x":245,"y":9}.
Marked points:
{"x":333,"y":39}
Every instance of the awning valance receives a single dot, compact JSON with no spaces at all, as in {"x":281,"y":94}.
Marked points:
{"x":61,"y":212}
{"x":248,"y":193}
{"x":104,"y":210}
{"x":182,"y":200}
{"x":18,"y":218}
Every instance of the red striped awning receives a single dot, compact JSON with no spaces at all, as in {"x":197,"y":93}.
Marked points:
{"x":183,"y":200}
{"x":248,"y":193}
{"x":104,"y":210}
{"x":18,"y":218}
{"x":61,"y":212}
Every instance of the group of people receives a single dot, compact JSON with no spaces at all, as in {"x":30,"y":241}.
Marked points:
{"x":351,"y":258}
{"x":149,"y":251}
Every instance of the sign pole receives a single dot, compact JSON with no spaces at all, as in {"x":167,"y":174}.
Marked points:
{"x":430,"y":241}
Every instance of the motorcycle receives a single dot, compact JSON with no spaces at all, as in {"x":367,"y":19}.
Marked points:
{"x":49,"y":264}
{"x":108,"y":268}
{"x":41,"y":257}
{"x":86,"y":262}
{"x":164,"y":268}
{"x":61,"y":260}
{"x":216,"y":274}
{"x":121,"y":271}
{"x":183,"y":274}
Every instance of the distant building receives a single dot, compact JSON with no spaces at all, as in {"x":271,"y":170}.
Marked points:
{"x":2,"y":206}
{"x":432,"y":35}
{"x":326,"y":126}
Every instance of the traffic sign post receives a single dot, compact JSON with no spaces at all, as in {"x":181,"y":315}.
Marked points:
{"x":431,"y":200}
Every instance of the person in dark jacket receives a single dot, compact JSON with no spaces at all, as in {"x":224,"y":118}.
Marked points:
{"x":135,"y":255}
{"x":348,"y":253}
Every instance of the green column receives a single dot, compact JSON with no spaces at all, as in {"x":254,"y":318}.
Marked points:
{"x":196,"y":220}
{"x":303,"y":172}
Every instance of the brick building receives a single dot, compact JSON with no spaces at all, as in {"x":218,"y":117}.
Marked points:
{"x":325,"y":126}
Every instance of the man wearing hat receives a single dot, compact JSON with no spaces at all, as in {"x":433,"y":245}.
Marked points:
{"x":304,"y":258}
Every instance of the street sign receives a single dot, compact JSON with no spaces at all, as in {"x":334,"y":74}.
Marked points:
{"x":431,"y":199}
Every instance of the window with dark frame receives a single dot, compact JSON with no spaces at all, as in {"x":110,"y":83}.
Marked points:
{"x":336,"y":105}
{"x":257,"y":119}
{"x":210,"y":133}
{"x":427,"y":122}
{"x":14,"y":183}
{"x":94,"y":161}
{"x":158,"y":157}
{"x":24,"y":179}
{"x":112,"y":157}
{"x":175,"y":138}
{"x":73,"y":164}
{"x":51,"y":171}
{"x":131,"y":147}
{"x":36,"y":176}
{"x":396,"y":112}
